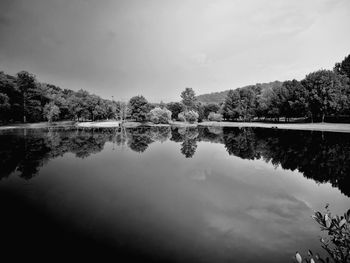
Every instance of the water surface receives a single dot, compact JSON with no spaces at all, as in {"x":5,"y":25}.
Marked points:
{"x":167,"y":194}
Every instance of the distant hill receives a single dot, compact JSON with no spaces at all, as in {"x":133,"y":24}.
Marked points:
{"x":218,"y":97}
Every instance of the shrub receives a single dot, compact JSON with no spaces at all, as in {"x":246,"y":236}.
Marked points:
{"x":181,"y":116}
{"x":158,"y":115}
{"x":214,"y":116}
{"x":337,"y":244}
{"x":188,"y":116}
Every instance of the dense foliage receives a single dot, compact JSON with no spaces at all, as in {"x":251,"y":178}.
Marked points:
{"x":188,"y":116}
{"x":209,"y":108}
{"x":159,"y":115}
{"x":139,"y":108}
{"x":175,"y":108}
{"x":322,"y":93}
{"x":23,"y":99}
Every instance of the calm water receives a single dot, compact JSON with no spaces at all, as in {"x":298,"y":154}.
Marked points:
{"x":168,"y":195}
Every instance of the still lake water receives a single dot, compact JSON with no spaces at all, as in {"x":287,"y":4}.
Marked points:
{"x":168,"y":195}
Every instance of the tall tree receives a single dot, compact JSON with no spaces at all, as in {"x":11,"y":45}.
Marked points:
{"x":189,"y":99}
{"x":297,"y":98}
{"x":247,"y":102}
{"x":139,"y":108}
{"x":30,"y":95}
{"x":324,"y":92}
{"x":4,"y":106}
{"x":230,"y":109}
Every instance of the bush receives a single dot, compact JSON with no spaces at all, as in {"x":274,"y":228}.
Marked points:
{"x":181,"y":116}
{"x":158,"y":115}
{"x":188,"y":116}
{"x":214,"y":116}
{"x":337,"y":244}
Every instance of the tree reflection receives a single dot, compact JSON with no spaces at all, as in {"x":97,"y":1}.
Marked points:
{"x":189,"y":141}
{"x":188,"y":148}
{"x":25,"y":151}
{"x":139,"y":139}
{"x":321,"y":156}
{"x":241,"y":143}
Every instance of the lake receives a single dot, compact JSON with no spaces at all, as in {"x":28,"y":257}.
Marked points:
{"x":165,"y":194}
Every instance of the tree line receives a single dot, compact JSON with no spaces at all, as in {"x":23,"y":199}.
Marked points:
{"x":321,"y":94}
{"x":24,"y":99}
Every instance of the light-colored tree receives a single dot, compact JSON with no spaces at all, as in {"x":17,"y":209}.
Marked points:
{"x":214,"y":116}
{"x":51,"y":112}
{"x":188,"y":116}
{"x":159,"y":115}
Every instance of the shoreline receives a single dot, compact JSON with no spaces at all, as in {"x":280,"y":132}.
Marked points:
{"x":328,"y":127}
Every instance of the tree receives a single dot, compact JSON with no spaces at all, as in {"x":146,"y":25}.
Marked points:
{"x":9,"y":88}
{"x":28,"y":87}
{"x":324,"y":92}
{"x":247,"y":102}
{"x":210,"y":107}
{"x":122,"y":110}
{"x":214,"y":116}
{"x":175,"y":108}
{"x":188,"y":116}
{"x":139,"y":108}
{"x":159,"y":115}
{"x":4,"y":106}
{"x":263,"y":102}
{"x":230,"y":109}
{"x":343,"y":67}
{"x":189,"y":99}
{"x":297,"y":98}
{"x":51,"y":112}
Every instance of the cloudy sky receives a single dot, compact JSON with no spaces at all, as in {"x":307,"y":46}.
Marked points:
{"x":159,"y":47}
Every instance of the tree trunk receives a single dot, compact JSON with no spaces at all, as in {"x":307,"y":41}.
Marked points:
{"x":24,"y":109}
{"x":323,"y":117}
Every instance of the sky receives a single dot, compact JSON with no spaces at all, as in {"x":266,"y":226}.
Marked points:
{"x":157,"y":48}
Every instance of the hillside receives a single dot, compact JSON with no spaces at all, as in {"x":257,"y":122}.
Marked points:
{"x":218,"y":97}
